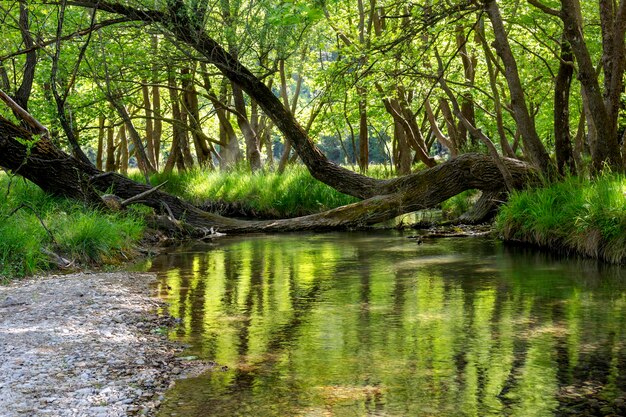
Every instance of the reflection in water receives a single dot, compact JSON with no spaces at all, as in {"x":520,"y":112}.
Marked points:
{"x":373,"y":324}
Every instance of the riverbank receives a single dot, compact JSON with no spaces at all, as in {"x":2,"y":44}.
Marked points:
{"x":86,"y":345}
{"x":575,"y":217}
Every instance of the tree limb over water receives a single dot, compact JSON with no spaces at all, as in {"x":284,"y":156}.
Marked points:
{"x":56,"y":172}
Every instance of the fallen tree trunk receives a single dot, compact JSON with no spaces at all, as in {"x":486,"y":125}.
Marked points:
{"x":58,"y":173}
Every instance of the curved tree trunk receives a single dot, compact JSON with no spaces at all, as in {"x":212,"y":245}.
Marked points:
{"x":58,"y":173}
{"x":176,"y":22}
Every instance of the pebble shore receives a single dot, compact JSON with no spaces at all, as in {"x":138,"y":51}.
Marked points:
{"x":85,"y":345}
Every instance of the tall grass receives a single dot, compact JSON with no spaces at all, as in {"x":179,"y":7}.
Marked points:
{"x":455,"y":206}
{"x":72,"y":230}
{"x":575,"y":215}
{"x":265,"y":193}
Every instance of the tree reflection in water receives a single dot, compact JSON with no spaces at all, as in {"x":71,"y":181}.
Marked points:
{"x":372,"y":324}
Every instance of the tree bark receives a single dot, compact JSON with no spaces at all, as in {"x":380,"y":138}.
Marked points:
{"x":156,"y":106}
{"x":101,"y":132}
{"x":23,"y":92}
{"x":606,"y":147}
{"x":147,"y":107}
{"x":229,"y":154}
{"x":56,"y":172}
{"x":109,"y":165}
{"x":525,"y":123}
{"x":466,"y":104}
{"x":190,"y":101}
{"x":562,"y":137}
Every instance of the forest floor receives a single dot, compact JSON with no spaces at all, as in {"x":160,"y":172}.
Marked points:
{"x":86,"y":344}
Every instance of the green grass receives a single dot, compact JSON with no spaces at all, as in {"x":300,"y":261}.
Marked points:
{"x":74,"y":231}
{"x":266,"y":193}
{"x":454,"y":207}
{"x":575,"y":215}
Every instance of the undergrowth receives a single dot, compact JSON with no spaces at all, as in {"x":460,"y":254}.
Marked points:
{"x":265,"y":193}
{"x":575,"y":215}
{"x":455,"y":206}
{"x":33,"y":223}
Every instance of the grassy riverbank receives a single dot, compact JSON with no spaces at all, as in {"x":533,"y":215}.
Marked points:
{"x":573,"y":216}
{"x":33,"y":225}
{"x":261,"y":194}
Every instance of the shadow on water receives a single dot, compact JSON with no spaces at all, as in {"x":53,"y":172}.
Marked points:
{"x":354,"y":324}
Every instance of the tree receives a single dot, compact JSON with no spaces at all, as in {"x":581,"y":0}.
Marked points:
{"x":406,"y":68}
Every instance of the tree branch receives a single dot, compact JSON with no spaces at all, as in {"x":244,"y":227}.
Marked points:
{"x":545,"y":8}
{"x":80,"y":32}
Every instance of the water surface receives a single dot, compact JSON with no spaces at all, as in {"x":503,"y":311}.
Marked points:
{"x":355,"y":324}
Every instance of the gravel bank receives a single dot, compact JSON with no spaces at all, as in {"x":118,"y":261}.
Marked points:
{"x":85,"y":345}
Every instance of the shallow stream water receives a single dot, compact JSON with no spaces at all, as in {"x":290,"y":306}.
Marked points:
{"x":360,"y":324}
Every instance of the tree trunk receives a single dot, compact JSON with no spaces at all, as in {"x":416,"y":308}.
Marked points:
{"x":150,"y":151}
{"x":156,"y":106}
{"x":190,"y":100}
{"x":123,"y":150}
{"x":109,"y":165}
{"x":606,"y":148}
{"x":101,"y":132}
{"x":252,"y":142}
{"x":445,"y":141}
{"x":144,"y":164}
{"x":562,"y":137}
{"x":56,"y":172}
{"x":22,"y":94}
{"x":525,"y":123}
{"x":229,"y":154}
{"x":466,"y":103}
{"x":492,"y":70}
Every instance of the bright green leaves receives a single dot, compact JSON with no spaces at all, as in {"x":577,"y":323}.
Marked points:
{"x":295,"y":12}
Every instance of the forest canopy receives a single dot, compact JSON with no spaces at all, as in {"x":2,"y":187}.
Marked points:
{"x":450,"y":95}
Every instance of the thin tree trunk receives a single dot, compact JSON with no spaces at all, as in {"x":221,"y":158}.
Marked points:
{"x":190,"y":100}
{"x":363,"y":131}
{"x":123,"y":150}
{"x":22,"y":94}
{"x":101,"y":132}
{"x":467,"y":106}
{"x":492,"y":69}
{"x":229,"y":154}
{"x":525,"y":123}
{"x":445,"y":141}
{"x":562,"y":137}
{"x":252,"y":146}
{"x":140,"y":152}
{"x":606,"y":148}
{"x":156,"y":105}
{"x":150,"y":151}
{"x":109,"y":165}
{"x":184,"y":159}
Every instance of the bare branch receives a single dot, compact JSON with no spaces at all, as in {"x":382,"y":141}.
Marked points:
{"x":141,"y":196}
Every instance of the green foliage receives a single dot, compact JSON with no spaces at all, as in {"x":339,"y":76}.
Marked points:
{"x":574,"y":215}
{"x":94,"y":237}
{"x":267,"y":193}
{"x":20,"y":246}
{"x":74,"y":231}
{"x":459,"y":204}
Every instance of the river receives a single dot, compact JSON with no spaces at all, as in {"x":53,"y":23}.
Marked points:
{"x":375,"y":324}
